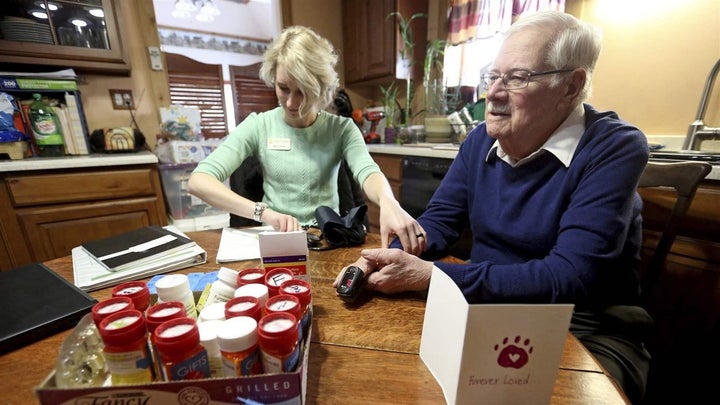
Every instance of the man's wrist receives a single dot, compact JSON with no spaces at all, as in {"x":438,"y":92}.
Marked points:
{"x":259,"y":209}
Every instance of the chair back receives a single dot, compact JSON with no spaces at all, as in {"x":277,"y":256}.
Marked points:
{"x":684,"y":178}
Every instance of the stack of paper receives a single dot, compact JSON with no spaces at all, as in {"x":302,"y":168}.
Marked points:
{"x":132,"y":255}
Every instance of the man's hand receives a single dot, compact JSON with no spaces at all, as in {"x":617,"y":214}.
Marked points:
{"x":392,"y":271}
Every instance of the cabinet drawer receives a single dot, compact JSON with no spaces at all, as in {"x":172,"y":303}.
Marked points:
{"x":53,"y":188}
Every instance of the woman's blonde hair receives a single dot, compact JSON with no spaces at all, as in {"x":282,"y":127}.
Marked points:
{"x":310,"y":59}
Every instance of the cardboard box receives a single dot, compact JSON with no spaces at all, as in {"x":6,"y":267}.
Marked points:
{"x":186,"y":151}
{"x":279,"y":388}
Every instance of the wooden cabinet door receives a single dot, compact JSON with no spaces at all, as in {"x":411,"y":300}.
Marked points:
{"x":53,"y":231}
{"x":369,"y":39}
{"x":372,"y":43}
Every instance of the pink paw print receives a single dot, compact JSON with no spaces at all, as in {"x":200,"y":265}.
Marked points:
{"x":512,"y":354}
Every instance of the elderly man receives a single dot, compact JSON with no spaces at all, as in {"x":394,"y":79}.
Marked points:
{"x":547,"y":185}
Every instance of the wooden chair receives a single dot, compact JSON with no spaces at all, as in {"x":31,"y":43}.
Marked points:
{"x":684,"y":177}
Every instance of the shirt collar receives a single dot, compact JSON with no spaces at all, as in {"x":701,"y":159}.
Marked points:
{"x":562,"y":143}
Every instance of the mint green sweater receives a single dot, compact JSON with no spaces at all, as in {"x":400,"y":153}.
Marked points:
{"x":299,"y":165}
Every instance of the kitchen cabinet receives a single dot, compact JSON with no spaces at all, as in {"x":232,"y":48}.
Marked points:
{"x":83,"y":36}
{"x":45,"y":213}
{"x":391,"y":166}
{"x":372,"y":43}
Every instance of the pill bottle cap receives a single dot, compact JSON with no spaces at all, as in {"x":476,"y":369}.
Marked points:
{"x":259,"y":291}
{"x":176,"y":336}
{"x":228,"y":276}
{"x":299,"y":288}
{"x":255,"y":275}
{"x":243,"y":306}
{"x":213,"y":312}
{"x":102,"y":309}
{"x":275,"y":277}
{"x":283,"y":303}
{"x":123,"y":328}
{"x":137,"y":291}
{"x":172,"y":287}
{"x":237,"y":334}
{"x":162,"y":312}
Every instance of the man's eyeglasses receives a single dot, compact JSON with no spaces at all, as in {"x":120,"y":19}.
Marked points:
{"x":516,"y":78}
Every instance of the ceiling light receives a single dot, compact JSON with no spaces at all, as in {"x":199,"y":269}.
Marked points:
{"x":39,"y":14}
{"x":97,"y":12}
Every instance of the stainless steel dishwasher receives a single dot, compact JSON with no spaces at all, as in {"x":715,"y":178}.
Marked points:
{"x":421,"y":176}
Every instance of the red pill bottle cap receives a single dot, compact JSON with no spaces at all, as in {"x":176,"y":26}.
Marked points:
{"x":176,"y":337}
{"x":254,"y":275}
{"x":243,"y":306}
{"x":284,"y":303}
{"x":275,"y":277}
{"x":122,"y":329}
{"x":104,"y":308}
{"x":163,"y":312}
{"x":278,"y":332}
{"x":137,"y":291}
{"x":299,"y":288}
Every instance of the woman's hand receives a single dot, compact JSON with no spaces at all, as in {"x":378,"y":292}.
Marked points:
{"x":280,"y":222}
{"x":396,"y":221}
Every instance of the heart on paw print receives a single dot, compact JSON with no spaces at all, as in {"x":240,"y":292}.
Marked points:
{"x":513,"y":354}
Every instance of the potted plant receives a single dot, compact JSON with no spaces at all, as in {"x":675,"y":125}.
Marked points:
{"x":390,"y":103}
{"x":434,"y":89}
{"x":406,"y":54}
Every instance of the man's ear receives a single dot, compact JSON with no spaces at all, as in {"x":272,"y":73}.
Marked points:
{"x":576,"y":83}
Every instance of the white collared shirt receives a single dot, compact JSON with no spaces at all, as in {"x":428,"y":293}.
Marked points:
{"x":562,"y":143}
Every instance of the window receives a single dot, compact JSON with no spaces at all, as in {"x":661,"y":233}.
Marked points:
{"x":250,"y":93}
{"x":199,"y":85}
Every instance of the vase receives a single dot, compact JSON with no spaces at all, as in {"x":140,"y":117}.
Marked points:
{"x":390,"y":135}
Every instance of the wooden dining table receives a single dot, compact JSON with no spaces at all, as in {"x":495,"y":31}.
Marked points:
{"x":366,"y":352}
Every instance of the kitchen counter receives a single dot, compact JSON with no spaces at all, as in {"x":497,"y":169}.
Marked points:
{"x":437,"y":150}
{"x":71,"y":162}
{"x":449,"y":151}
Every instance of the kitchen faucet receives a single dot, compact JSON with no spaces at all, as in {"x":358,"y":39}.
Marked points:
{"x":698,"y":127}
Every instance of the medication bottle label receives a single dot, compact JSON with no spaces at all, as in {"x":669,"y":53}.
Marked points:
{"x":274,"y":364}
{"x":244,"y":363}
{"x":192,"y":368}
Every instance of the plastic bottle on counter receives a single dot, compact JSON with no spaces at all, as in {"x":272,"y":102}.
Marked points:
{"x":126,"y":348}
{"x":177,"y":341}
{"x":209,"y":340}
{"x":238,"y":341}
{"x":46,"y":128}
{"x":224,"y":287}
{"x":301,"y":289}
{"x":176,"y":287}
{"x":278,"y":337}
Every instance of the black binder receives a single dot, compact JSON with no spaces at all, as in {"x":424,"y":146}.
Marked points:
{"x":36,"y":302}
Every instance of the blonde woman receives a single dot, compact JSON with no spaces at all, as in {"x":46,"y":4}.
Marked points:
{"x":300,"y":147}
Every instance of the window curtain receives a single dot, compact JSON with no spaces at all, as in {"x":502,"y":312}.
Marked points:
{"x":475,"y":29}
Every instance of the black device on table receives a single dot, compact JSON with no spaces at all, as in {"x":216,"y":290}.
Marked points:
{"x":351,"y":284}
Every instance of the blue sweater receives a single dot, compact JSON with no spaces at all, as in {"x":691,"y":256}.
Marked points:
{"x":544,"y":233}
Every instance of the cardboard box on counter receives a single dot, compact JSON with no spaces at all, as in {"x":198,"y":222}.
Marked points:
{"x":185,"y":151}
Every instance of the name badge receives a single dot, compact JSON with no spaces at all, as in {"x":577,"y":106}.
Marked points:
{"x":278,"y":143}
